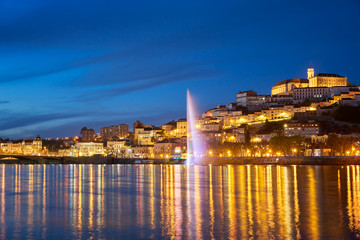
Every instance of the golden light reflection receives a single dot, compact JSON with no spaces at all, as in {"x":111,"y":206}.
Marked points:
{"x":313,"y":205}
{"x":211,"y":203}
{"x":102,"y":187}
{"x":242,"y":202}
{"x":270,"y":200}
{"x":91,"y":200}
{"x":279,"y":201}
{"x":356,"y":200}
{"x":152,"y":197}
{"x":249,"y":203}
{"x":353,"y":198}
{"x":79,"y":211}
{"x":296,"y":205}
{"x":231,"y":202}
{"x":349,"y":198}
{"x":177,"y":202}
{"x":287,"y":204}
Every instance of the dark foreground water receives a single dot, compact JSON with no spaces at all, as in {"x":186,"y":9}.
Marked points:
{"x":179,"y":202}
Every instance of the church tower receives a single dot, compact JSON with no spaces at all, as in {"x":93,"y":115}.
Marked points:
{"x":310,"y":73}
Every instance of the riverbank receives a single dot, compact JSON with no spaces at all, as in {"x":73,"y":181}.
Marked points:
{"x":76,"y":160}
{"x":346,"y":160}
{"x":326,"y":160}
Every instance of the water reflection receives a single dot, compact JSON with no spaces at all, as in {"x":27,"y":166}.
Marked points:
{"x":179,"y":202}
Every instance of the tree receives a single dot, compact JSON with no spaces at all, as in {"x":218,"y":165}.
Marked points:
{"x":280,"y":144}
{"x":306,"y":102}
{"x":287,"y":145}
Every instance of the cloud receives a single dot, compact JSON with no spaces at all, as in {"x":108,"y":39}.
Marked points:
{"x":150,"y":80}
{"x":17,"y":120}
{"x":45,"y":25}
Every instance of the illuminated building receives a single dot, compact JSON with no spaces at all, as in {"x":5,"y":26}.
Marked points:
{"x":319,"y":139}
{"x":24,"y":147}
{"x":344,"y":89}
{"x":306,"y":130}
{"x":242,"y":97}
{"x":167,"y":148}
{"x":181,"y":127}
{"x":228,"y":136}
{"x":317,"y":152}
{"x":286,"y":87}
{"x":117,"y":148}
{"x":213,"y":126}
{"x":68,"y":152}
{"x":230,"y":109}
{"x":168,"y":127}
{"x":108,"y":132}
{"x":279,"y":99}
{"x":142,"y":151}
{"x":211,"y":136}
{"x":87,"y":149}
{"x":239,"y":132}
{"x":326,"y":80}
{"x":250,"y":99}
{"x":118,"y":131}
{"x":320,"y":80}
{"x":350,"y":98}
{"x":311,"y":93}
{"x":145,"y":134}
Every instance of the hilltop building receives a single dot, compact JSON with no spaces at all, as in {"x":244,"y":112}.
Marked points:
{"x":250,"y":99}
{"x":314,"y":94}
{"x":326,"y":79}
{"x":286,"y":87}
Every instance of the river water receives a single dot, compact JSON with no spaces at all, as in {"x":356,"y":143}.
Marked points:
{"x":179,"y":202}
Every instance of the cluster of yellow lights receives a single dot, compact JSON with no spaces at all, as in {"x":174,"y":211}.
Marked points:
{"x":261,"y":118}
{"x":256,"y":140}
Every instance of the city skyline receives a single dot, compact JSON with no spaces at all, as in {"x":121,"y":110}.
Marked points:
{"x":113,"y":63}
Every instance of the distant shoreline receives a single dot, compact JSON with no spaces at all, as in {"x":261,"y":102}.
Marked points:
{"x":326,"y":160}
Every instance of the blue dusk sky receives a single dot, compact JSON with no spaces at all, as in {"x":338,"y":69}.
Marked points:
{"x":66,"y":64}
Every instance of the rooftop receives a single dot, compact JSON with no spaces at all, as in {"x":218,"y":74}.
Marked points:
{"x":327,"y":75}
{"x":292,"y":80}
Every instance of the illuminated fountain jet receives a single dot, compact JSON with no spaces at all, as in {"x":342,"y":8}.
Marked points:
{"x":195,"y":148}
